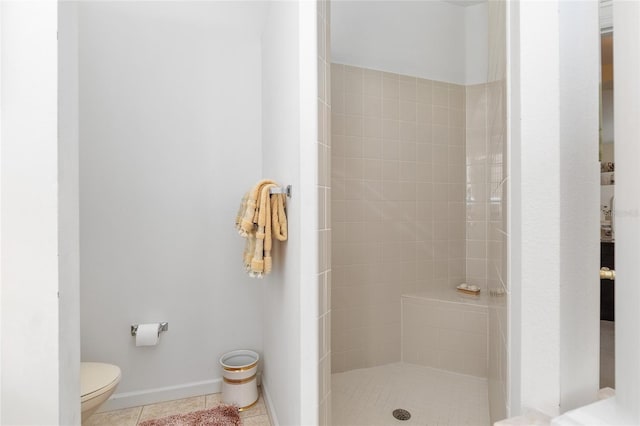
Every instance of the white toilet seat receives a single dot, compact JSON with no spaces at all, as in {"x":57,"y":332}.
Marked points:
{"x":97,"y":378}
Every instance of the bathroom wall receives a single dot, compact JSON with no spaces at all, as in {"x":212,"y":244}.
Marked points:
{"x":487,"y":232}
{"x":487,"y":227}
{"x":429,"y":39}
{"x":170,"y":139}
{"x":483,"y":228}
{"x":552,"y":209}
{"x":398,"y":211}
{"x":486,"y":173}
{"x":68,"y":212}
{"x":35,"y":360}
{"x":290,"y":155}
{"x":498,"y":241}
{"x":324,"y":211}
{"x":479,"y":189}
{"x":476,"y":31}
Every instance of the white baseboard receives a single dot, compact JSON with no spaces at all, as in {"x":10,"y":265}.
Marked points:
{"x":151,"y":396}
{"x":122,"y":400}
{"x":269,"y":403}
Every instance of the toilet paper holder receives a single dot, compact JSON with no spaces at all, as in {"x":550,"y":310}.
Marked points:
{"x":162,"y":326}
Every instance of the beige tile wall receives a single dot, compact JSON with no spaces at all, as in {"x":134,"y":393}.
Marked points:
{"x":498,"y":240}
{"x":398,"y":204}
{"x":486,"y":222}
{"x":479,"y":173}
{"x":324,"y":212}
{"x":419,"y":178}
{"x":445,"y":335}
{"x":498,"y":230}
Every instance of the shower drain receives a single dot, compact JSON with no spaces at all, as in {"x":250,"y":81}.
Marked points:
{"x":401,"y":414}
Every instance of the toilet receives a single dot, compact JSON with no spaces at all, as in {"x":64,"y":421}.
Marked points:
{"x":97,"y":383}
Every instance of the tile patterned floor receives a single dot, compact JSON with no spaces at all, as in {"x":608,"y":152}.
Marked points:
{"x":366,"y":397}
{"x":255,"y":416}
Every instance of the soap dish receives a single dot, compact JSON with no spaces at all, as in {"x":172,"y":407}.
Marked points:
{"x":464,"y":288}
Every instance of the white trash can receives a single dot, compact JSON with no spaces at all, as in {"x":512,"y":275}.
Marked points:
{"x":239,"y":370}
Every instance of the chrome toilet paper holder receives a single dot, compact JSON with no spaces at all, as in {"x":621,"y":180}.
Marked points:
{"x":163,"y":326}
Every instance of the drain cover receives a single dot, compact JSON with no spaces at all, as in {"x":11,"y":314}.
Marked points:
{"x":401,"y":414}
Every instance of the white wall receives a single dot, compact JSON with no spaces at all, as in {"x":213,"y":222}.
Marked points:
{"x":579,"y":194}
{"x":290,"y":293}
{"x":514,"y":209}
{"x":429,"y":39}
{"x":69,"y":212}
{"x":170,"y":139}
{"x":623,"y":409}
{"x":554,"y":199}
{"x":627,"y":129}
{"x":31,"y":350}
{"x":476,"y":44}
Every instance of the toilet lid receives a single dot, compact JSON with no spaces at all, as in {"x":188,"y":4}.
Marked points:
{"x":96,"y":377}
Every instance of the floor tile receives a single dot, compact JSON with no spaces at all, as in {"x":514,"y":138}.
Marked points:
{"x":257,"y":421}
{"x":368,"y":396}
{"x":260,"y":409}
{"x":125,"y":417}
{"x":255,"y":416}
{"x":213,"y":399}
{"x":170,"y":408}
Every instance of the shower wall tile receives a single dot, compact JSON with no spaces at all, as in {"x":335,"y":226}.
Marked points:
{"x":477,"y":186}
{"x":331,"y":89}
{"x":497,"y":242}
{"x":398,"y":204}
{"x":487,"y":230}
{"x":448,"y":336}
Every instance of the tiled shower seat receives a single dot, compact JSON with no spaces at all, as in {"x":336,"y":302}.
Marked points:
{"x":446,"y":330}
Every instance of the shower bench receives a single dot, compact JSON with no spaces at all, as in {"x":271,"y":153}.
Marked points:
{"x":446,"y":330}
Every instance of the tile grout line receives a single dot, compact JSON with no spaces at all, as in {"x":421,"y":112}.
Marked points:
{"x":253,"y":415}
{"x":139,"y":415}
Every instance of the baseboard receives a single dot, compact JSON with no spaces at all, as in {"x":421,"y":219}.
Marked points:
{"x":269,"y":403}
{"x":122,"y":400}
{"x":151,"y":396}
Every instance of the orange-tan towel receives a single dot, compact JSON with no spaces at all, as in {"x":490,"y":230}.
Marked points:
{"x":279,"y":217}
{"x":247,"y":215}
{"x":261,"y":217}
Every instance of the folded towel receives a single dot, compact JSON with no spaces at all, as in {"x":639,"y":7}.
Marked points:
{"x":247,"y":215}
{"x":279,"y":217}
{"x":261,"y":217}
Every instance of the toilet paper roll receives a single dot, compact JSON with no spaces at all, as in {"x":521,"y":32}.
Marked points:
{"x":147,"y":334}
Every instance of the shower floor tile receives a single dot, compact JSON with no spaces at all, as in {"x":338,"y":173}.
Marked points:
{"x":368,"y":396}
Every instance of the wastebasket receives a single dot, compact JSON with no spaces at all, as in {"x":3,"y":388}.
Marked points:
{"x":239,"y":370}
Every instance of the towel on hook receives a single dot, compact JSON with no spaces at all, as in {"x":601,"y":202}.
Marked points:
{"x":261,"y":217}
{"x":246,"y":216}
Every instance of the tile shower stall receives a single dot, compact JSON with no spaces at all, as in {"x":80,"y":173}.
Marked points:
{"x":418,"y":207}
{"x":398,"y":162}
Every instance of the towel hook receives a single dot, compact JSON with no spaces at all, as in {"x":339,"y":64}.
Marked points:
{"x":286,"y":190}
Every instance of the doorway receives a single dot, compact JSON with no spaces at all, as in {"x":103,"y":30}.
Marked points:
{"x":607,"y":222}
